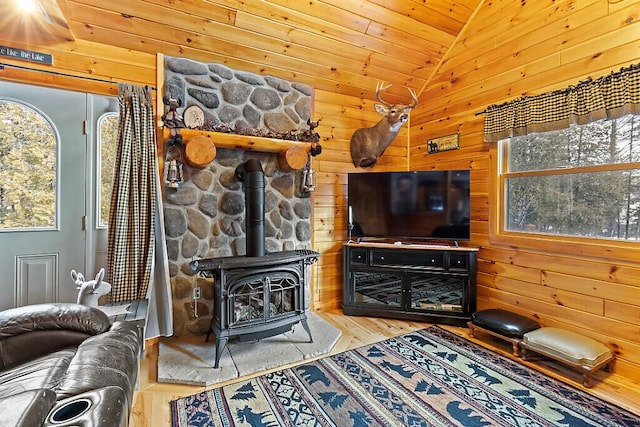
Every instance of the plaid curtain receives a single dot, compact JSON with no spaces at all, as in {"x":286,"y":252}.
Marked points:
{"x":133,"y":201}
{"x":611,"y":96}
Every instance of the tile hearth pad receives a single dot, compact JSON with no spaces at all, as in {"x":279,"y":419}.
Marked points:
{"x":189,"y":359}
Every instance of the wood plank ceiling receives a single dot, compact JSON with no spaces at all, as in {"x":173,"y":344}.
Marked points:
{"x":343,"y":46}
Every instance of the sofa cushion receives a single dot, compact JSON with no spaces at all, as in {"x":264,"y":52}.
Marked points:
{"x":42,"y":372}
{"x":26,"y":409}
{"x":22,"y":348}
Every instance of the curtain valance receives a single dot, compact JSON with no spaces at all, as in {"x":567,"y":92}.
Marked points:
{"x":610,"y":97}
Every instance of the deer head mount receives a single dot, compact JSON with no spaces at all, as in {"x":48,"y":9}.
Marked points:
{"x":368,"y":144}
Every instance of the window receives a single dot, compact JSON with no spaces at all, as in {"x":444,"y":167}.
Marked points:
{"x":583,"y":181}
{"x":28,"y":168}
{"x":106,"y":156}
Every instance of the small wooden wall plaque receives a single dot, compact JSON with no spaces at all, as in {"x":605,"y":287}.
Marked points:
{"x":443,"y":143}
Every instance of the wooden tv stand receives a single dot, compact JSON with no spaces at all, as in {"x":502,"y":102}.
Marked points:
{"x":431,"y":283}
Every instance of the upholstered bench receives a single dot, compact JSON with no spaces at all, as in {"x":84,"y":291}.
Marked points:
{"x":502,"y":324}
{"x":577,"y":351}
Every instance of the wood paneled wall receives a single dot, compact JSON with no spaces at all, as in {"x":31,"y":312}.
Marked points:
{"x":340,"y":115}
{"x":511,"y":49}
{"x":93,"y":61}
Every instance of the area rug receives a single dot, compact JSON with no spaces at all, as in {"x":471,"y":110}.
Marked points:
{"x":425,"y":378}
{"x":190,"y":359}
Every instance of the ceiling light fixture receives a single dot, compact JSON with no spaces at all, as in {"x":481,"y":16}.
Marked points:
{"x":31,"y":7}
{"x":27,"y":6}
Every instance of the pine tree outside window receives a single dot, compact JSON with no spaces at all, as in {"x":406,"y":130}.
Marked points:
{"x":581,"y":181}
{"x":106,"y":157}
{"x":28,"y":167}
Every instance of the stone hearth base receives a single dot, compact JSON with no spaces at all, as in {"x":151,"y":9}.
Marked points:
{"x":189,"y":359}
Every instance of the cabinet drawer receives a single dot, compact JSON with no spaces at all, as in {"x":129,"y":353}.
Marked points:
{"x":458,"y":261}
{"x":358,"y":257}
{"x":408,"y":258}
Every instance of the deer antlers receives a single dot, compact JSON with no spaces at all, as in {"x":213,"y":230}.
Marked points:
{"x":381,"y":87}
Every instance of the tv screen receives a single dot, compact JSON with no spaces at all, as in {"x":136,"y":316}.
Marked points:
{"x":411,"y":205}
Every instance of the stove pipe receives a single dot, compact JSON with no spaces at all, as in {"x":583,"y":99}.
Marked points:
{"x":252,"y":177}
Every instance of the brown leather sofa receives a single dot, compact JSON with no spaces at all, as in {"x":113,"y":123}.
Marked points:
{"x":66,"y":365}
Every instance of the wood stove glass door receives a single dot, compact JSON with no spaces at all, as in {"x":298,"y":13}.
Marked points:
{"x":278,"y":291}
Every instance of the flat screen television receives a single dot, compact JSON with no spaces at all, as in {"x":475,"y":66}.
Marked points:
{"x":417,"y":205}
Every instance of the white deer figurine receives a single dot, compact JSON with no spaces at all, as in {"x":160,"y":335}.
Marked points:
{"x":368,"y":144}
{"x":90,"y":291}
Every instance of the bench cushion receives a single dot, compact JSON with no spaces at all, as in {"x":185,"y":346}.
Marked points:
{"x":503,"y":322}
{"x":568,"y":346}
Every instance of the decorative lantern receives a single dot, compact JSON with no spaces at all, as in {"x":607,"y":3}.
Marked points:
{"x":308,"y":179}
{"x":173,"y":167}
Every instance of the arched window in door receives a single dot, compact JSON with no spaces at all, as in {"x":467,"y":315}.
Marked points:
{"x":28,"y":168}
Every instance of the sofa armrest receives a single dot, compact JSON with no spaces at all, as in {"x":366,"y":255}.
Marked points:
{"x":56,"y":316}
{"x":108,"y":359}
{"x":104,"y":407}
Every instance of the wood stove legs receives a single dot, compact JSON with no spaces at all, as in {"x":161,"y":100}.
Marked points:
{"x":305,"y":325}
{"x":221,"y":343}
{"x":222,"y":340}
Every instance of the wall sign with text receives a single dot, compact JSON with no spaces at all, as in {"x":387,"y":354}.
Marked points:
{"x":26,"y":55}
{"x":443,"y":143}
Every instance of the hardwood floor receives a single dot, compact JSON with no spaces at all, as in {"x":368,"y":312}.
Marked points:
{"x":151,"y":401}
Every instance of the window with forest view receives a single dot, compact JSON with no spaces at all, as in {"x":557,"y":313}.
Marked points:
{"x":106,"y":155}
{"x":582,"y":181}
{"x":28,"y":168}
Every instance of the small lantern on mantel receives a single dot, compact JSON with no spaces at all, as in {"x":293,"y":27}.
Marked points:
{"x":173,"y":167}
{"x":308,"y":182}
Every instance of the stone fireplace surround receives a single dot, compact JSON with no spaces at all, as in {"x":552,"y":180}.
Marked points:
{"x":204,"y":218}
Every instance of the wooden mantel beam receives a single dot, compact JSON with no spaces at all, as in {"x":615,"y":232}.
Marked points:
{"x":242,"y":142}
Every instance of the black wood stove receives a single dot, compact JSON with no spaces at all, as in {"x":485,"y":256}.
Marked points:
{"x":258,"y":295}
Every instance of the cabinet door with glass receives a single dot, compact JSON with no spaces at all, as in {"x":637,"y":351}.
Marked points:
{"x":436,"y":292}
{"x":384,"y":288}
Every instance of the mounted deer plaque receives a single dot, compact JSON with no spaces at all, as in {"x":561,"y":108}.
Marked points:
{"x":368,"y":144}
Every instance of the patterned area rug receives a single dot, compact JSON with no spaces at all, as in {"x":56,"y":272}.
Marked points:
{"x":425,"y":378}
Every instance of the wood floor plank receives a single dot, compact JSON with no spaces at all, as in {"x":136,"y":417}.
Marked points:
{"x":151,"y":401}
